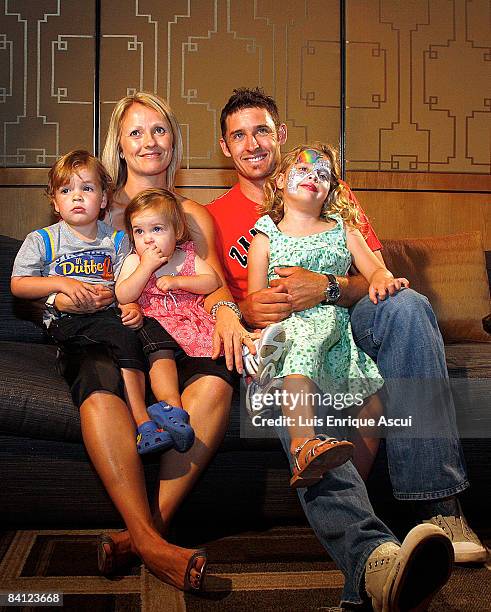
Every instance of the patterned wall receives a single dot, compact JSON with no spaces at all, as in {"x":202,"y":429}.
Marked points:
{"x":46,"y":80}
{"x":418,"y":85}
{"x":195,"y":53}
{"x":416,"y":74}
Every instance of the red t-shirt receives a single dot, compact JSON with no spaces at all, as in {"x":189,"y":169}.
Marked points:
{"x":235,"y":217}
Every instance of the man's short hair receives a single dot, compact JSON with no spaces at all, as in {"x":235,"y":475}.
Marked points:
{"x":244,"y":97}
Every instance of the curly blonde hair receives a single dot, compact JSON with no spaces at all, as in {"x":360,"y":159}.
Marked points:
{"x":337,"y":200}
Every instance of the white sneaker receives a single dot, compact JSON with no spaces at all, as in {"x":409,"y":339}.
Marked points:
{"x":467,"y":546}
{"x":407,"y":577}
{"x":269,"y":350}
{"x":254,"y":398}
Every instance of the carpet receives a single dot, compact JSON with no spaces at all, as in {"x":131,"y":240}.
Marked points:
{"x":279,"y":569}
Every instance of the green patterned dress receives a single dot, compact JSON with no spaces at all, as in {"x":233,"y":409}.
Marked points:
{"x":320,"y":342}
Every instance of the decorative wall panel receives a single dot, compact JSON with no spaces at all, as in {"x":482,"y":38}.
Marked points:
{"x":46,"y":80}
{"x":418,"y":95}
{"x":194,"y":53}
{"x":417,"y":74}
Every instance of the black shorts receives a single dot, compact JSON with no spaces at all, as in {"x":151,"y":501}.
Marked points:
{"x":78,"y":331}
{"x":91,"y":369}
{"x":155,"y":338}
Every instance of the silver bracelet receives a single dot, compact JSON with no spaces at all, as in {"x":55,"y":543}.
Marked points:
{"x":231,"y":305}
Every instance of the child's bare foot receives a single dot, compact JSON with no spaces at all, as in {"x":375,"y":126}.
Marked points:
{"x":180,"y":567}
{"x":114,"y":552}
{"x":315,"y":456}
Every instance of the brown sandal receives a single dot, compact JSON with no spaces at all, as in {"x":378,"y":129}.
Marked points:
{"x":107,"y":562}
{"x":316,"y":456}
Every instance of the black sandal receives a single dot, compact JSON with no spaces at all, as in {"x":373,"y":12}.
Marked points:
{"x":188,"y":579}
{"x":107,"y":562}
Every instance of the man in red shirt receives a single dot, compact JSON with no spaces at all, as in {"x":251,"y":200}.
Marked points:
{"x":401,"y":334}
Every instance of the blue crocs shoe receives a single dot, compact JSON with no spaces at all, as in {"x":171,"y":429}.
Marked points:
{"x":151,"y":439}
{"x":175,"y":421}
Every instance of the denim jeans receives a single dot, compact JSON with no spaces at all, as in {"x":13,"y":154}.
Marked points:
{"x":342,"y":517}
{"x":401,"y":334}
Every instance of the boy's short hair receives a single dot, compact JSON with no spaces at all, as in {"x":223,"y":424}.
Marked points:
{"x":243,"y":97}
{"x":69,"y":164}
{"x":167,"y":204}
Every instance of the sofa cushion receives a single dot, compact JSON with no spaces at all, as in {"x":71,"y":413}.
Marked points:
{"x":20,"y":320}
{"x":40,"y":405}
{"x":35,"y":400}
{"x":451,"y":272}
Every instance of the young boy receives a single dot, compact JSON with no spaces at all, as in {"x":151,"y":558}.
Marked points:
{"x":76,"y":256}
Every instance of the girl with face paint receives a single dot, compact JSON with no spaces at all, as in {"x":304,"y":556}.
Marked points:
{"x":308,"y":222}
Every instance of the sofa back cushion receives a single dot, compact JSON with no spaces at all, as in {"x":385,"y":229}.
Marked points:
{"x":451,"y":272}
{"x":20,"y":320}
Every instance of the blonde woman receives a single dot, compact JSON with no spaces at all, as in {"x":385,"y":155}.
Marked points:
{"x":143,"y":150}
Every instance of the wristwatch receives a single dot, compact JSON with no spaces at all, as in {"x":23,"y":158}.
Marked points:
{"x":332,"y":292}
{"x":50,"y":305}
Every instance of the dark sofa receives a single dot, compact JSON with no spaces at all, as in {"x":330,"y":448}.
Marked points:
{"x":48,"y":481}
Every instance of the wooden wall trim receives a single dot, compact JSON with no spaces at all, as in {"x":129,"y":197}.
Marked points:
{"x":225,"y":177}
{"x":19,"y":177}
{"x":419,"y":181}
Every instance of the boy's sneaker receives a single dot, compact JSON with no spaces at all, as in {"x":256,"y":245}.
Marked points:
{"x":269,"y":350}
{"x":467,"y":546}
{"x":407,"y":577}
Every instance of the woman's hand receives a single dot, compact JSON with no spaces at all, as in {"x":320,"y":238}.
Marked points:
{"x":98,"y":301}
{"x":230,"y":332}
{"x":79,"y":292}
{"x":382,"y":282}
{"x":101,"y":297}
{"x":131,"y":315}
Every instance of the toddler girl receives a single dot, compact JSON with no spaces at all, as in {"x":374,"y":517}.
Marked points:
{"x":169,"y":281}
{"x":308,"y":222}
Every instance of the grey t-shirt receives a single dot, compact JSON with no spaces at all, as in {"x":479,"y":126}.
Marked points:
{"x":97,"y":261}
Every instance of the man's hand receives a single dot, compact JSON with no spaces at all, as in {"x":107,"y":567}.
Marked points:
{"x":306,"y":288}
{"x":131,"y":315}
{"x":102,"y":298}
{"x":267,"y":306}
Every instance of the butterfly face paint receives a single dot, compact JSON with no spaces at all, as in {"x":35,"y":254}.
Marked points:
{"x":308,"y":163}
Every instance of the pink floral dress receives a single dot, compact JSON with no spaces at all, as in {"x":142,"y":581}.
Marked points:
{"x":180,"y":312}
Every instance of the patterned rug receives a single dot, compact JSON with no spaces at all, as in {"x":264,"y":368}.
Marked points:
{"x":278,"y":569}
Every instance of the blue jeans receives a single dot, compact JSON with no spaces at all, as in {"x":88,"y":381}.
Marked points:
{"x":401,"y":334}
{"x":342,"y":517}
